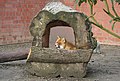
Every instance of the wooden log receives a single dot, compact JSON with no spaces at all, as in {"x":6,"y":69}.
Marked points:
{"x":48,"y":55}
{"x":18,"y":54}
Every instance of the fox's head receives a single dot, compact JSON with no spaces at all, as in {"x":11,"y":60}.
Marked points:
{"x":60,"y":43}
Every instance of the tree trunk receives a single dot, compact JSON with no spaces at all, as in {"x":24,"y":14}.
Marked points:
{"x":48,"y":55}
{"x":17,"y":54}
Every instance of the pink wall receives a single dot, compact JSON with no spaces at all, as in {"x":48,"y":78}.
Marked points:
{"x":16,"y":15}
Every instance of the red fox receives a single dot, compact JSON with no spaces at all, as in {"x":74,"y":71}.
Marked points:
{"x":62,"y":43}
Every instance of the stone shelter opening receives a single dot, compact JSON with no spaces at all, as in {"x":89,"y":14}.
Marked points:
{"x":57,"y":28}
{"x":43,"y":60}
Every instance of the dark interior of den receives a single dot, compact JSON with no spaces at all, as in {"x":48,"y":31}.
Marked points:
{"x":57,"y":28}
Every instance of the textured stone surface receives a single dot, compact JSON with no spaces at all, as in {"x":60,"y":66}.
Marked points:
{"x":55,"y":7}
{"x":77,"y":70}
{"x":40,"y":28}
{"x":43,"y":69}
{"x":47,"y":62}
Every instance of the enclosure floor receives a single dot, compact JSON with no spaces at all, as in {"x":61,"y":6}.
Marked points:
{"x":102,"y":67}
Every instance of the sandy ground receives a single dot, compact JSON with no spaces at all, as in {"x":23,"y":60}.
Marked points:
{"x":102,"y":67}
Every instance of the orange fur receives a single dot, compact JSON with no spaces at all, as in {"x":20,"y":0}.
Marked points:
{"x":62,"y":43}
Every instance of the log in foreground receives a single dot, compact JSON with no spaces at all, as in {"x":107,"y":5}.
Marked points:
{"x":18,"y":54}
{"x":49,"y":55}
{"x":48,"y":62}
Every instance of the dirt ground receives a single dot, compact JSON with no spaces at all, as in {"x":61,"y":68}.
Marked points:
{"x":102,"y":67}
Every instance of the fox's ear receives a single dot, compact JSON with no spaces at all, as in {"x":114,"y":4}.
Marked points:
{"x":63,"y":39}
{"x":58,"y":37}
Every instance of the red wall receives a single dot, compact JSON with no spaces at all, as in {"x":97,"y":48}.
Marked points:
{"x":16,"y":15}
